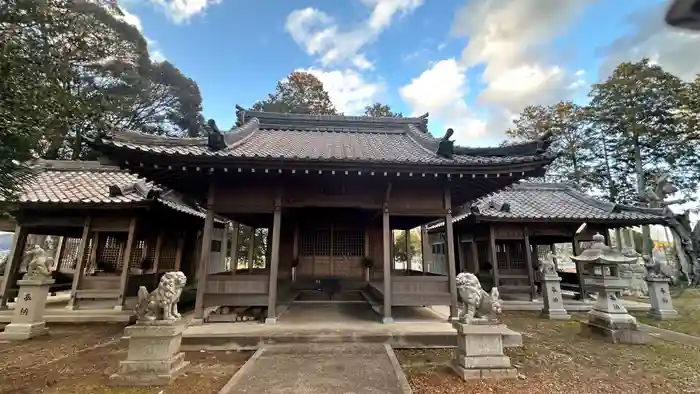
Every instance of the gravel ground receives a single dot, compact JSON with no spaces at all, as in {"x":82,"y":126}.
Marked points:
{"x":556,"y":359}
{"x":76,"y":359}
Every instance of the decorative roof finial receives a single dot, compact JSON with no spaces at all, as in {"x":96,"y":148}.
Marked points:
{"x":446,"y":147}
{"x":215,"y":140}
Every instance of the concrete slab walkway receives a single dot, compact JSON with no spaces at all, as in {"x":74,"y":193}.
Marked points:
{"x":320,"y":369}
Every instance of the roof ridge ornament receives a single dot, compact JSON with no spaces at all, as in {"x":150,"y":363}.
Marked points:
{"x":215,"y":139}
{"x":446,"y":148}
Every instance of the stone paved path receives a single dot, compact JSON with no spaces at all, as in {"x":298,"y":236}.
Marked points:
{"x":321,"y":369}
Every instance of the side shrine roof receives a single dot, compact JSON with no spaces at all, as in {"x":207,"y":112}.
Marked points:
{"x":337,"y":138}
{"x":552,"y":202}
{"x":89,"y":182}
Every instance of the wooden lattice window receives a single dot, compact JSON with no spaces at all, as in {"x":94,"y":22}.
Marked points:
{"x":502,"y":255}
{"x":168,"y":254}
{"x":69,"y":257}
{"x":137,"y":253}
{"x":516,"y":255}
{"x":348,"y":243}
{"x":109,"y":255}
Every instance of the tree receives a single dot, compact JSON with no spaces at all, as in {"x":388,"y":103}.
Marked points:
{"x":399,"y":247}
{"x":572,"y":138}
{"x":637,"y":112}
{"x":96,"y":73}
{"x":300,"y":92}
{"x":381,"y":110}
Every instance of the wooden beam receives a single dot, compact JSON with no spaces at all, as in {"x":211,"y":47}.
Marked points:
{"x":274,"y":261}
{"x":19,"y":240}
{"x":126,"y":260}
{"x":180,"y":251}
{"x":528,"y":262}
{"x":77,"y":273}
{"x":386,"y":252}
{"x":493,"y":256}
{"x":450,"y":250}
{"x":205,"y":252}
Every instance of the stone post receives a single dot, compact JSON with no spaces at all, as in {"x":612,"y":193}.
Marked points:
{"x":660,"y":298}
{"x":551,"y":292}
{"x":28,"y":318}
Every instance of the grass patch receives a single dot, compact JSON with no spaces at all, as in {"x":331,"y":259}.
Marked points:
{"x":556,"y":359}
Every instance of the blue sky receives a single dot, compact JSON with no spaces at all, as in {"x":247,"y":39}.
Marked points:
{"x":473,"y":64}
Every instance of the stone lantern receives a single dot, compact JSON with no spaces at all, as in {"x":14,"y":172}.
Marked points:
{"x":608,"y":318}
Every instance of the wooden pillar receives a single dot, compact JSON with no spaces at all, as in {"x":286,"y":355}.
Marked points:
{"x":274,"y":261}
{"x":427,"y":251}
{"x":407,"y":245}
{"x":156,"y":255}
{"x":474,"y":251}
{"x":235,"y":230}
{"x":77,"y":273}
{"x":92,"y":259}
{"x":460,"y":255}
{"x":205,"y":252}
{"x":251,"y":250}
{"x":386,"y":251}
{"x":180,"y":251}
{"x":126,"y":259}
{"x":223,"y":250}
{"x":19,"y":240}
{"x":579,"y":268}
{"x":553,"y":250}
{"x":528,"y":262}
{"x":493,"y":256}
{"x":450,"y":251}
{"x":59,"y":252}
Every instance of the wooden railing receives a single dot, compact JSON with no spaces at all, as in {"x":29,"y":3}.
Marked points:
{"x":236,"y":290}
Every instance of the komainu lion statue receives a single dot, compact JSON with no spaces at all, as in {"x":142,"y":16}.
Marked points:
{"x":161,"y":303}
{"x":475,"y":303}
{"x":40,"y":264}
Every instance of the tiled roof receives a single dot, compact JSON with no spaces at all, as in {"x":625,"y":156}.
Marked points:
{"x":552,"y":201}
{"x":83,"y":182}
{"x":330,"y":138}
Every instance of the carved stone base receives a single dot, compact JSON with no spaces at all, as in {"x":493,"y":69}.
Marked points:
{"x":480,"y":352}
{"x":154,"y":357}
{"x":614,"y":332}
{"x":23,"y":331}
{"x":556,"y":314}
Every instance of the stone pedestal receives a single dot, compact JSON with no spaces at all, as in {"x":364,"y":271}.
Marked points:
{"x":154,"y":357}
{"x":553,"y":300}
{"x":660,"y":299}
{"x":480,"y":352}
{"x":610,"y":321}
{"x":28,"y":318}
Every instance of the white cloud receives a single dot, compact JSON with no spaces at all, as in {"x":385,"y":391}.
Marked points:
{"x":349,"y":91}
{"x":320,"y":36}
{"x":509,"y":38}
{"x":182,"y":10}
{"x":677,"y":51}
{"x":440,"y":91}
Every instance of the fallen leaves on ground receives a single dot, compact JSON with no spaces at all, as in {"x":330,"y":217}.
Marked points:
{"x":555,"y":358}
{"x":77,"y":359}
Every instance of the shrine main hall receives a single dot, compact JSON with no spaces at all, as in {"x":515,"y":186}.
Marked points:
{"x":330,"y":189}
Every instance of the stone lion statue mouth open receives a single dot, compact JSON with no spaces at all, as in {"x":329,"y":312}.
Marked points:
{"x":475,"y":303}
{"x":161,"y":303}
